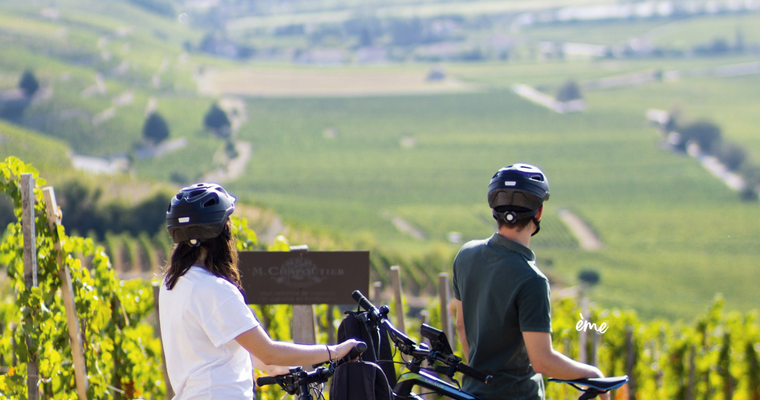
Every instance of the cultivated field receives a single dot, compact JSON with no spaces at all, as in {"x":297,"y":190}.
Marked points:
{"x":349,"y":150}
{"x":427,"y":160}
{"x":310,"y":82}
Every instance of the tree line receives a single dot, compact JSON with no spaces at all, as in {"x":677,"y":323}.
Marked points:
{"x":709,"y":137}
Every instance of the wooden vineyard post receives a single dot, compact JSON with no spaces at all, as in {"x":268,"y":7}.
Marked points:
{"x":30,"y":273}
{"x":583,"y":338}
{"x":67,"y":293}
{"x":304,"y":324}
{"x":331,"y":339}
{"x":690,"y":393}
{"x":630,"y":362}
{"x":594,"y":358}
{"x":396,"y":282}
{"x":443,"y":298}
{"x":169,"y":389}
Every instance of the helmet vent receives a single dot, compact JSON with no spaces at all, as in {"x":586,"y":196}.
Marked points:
{"x":196,"y":192}
{"x":539,"y":178}
{"x":212,"y":201}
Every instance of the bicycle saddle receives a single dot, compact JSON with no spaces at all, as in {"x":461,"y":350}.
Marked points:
{"x":603,"y":384}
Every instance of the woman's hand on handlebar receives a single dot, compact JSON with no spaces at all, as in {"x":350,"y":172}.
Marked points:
{"x":338,"y":351}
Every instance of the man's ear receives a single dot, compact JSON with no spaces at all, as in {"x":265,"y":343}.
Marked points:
{"x":540,"y":213}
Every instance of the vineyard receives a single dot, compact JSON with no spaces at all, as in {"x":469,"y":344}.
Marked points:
{"x":715,"y":357}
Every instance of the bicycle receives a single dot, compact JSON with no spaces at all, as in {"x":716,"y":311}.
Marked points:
{"x":302,"y":383}
{"x":439,"y":351}
{"x":594,"y":386}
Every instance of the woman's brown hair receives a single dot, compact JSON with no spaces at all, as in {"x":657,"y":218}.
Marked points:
{"x":221,"y":259}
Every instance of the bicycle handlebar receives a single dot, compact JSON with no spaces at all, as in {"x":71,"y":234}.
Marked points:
{"x":409,"y":347}
{"x":468,"y":370}
{"x":297,"y":376}
{"x":266,"y":380}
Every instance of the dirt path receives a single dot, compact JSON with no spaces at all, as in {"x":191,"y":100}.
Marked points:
{"x":235,"y":167}
{"x":404,"y":226}
{"x":586,"y":237}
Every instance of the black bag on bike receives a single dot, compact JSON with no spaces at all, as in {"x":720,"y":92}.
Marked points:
{"x":359,"y":381}
{"x":353,"y":328}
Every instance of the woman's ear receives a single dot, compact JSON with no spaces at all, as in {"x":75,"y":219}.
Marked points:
{"x":540,"y":213}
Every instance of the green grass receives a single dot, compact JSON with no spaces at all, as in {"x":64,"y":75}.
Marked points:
{"x":663,"y":219}
{"x":33,"y":148}
{"x":673,"y":235}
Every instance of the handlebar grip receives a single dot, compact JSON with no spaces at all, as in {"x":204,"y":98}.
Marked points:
{"x":357,"y":350}
{"x":470,"y":371}
{"x":363,"y":301}
{"x":266,"y":380}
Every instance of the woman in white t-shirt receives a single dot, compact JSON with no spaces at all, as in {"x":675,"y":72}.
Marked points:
{"x":210,"y":336}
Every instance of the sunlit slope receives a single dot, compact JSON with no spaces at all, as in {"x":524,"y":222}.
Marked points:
{"x":99,"y":65}
{"x":44,"y":153}
{"x":673,"y":235}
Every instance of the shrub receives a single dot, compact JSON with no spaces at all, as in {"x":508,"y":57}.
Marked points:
{"x":731,"y":155}
{"x":155,"y":129}
{"x":28,"y":83}
{"x":217,"y":121}
{"x":569,"y":91}
{"x":706,"y":134}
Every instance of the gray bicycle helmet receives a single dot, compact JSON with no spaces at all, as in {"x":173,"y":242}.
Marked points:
{"x":517,"y":191}
{"x":199,"y":212}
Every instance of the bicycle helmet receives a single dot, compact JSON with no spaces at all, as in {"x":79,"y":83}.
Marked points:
{"x":517,"y":191}
{"x":199,"y":212}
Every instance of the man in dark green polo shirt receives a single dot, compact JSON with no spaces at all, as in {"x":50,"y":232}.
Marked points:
{"x":503,"y":307}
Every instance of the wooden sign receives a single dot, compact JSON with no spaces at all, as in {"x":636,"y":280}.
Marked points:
{"x":303,"y":277}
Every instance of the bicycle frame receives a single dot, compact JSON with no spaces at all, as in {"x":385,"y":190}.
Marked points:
{"x":416,"y":376}
{"x":409,"y":380}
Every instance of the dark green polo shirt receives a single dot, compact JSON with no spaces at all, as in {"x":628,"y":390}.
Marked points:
{"x":503,"y":294}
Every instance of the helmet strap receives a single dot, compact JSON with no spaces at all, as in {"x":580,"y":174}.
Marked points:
{"x":538,"y":226}
{"x":511,"y":217}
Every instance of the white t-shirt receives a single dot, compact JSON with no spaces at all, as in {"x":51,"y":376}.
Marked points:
{"x":200,"y":318}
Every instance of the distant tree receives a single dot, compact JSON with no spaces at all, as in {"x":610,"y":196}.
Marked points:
{"x":155,"y":128}
{"x":748,"y":194}
{"x":589,"y":277}
{"x":217,"y":121}
{"x":28,"y":83}
{"x":719,"y":45}
{"x":674,"y":120}
{"x":731,"y":155}
{"x":705,"y":133}
{"x":569,"y":91}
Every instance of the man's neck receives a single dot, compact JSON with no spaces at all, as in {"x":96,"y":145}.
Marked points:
{"x":522,"y":237}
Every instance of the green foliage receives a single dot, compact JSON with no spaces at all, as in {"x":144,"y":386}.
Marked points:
{"x":719,"y":350}
{"x":28,"y":83}
{"x":120,"y":348}
{"x":87,"y":211}
{"x":705,"y":133}
{"x":44,"y":152}
{"x":216,"y":119}
{"x":589,"y":276}
{"x":569,"y":91}
{"x":155,"y":129}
